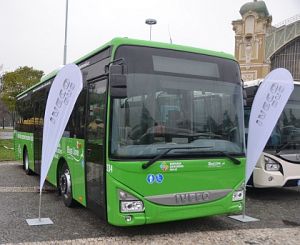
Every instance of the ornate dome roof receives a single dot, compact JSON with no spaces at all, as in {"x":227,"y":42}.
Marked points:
{"x":255,"y":6}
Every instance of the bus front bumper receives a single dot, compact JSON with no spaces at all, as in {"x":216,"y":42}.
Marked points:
{"x":156,"y":213}
{"x":266,"y":179}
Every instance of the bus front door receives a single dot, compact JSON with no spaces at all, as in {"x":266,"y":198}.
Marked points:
{"x":95,"y":141}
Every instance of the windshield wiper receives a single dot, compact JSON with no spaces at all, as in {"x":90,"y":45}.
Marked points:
{"x":221,"y":153}
{"x":166,"y":151}
{"x":285,"y":145}
{"x":233,"y":159}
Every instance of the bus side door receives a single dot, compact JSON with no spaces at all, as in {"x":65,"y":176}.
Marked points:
{"x":95,"y":146}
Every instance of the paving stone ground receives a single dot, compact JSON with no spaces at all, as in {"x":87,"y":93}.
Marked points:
{"x":277,"y":209}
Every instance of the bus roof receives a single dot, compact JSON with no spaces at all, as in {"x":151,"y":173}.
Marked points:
{"x":257,"y":82}
{"x":116,"y":42}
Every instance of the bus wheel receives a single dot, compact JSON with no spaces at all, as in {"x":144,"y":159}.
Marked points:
{"x":26,"y":162}
{"x":65,"y":185}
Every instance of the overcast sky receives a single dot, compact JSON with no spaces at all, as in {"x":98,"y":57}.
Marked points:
{"x":32,"y":31}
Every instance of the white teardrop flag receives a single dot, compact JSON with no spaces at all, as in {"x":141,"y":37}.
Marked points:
{"x":269,"y":101}
{"x":61,"y":99}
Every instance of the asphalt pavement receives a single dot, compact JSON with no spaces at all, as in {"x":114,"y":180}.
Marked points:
{"x":277,"y":209}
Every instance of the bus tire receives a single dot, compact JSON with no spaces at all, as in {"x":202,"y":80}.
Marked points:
{"x":65,"y":185}
{"x":28,"y":171}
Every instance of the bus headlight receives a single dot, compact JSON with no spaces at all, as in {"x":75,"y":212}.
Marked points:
{"x":238,"y":195}
{"x":271,"y":165}
{"x":131,"y":206}
{"x":129,"y":203}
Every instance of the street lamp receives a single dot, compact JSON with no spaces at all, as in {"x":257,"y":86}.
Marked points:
{"x":150,"y":22}
{"x":66,"y":32}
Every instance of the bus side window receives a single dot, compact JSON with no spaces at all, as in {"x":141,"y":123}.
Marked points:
{"x":96,"y":111}
{"x":75,"y":126}
{"x":26,"y":114}
{"x":39,"y":104}
{"x":18,"y":118}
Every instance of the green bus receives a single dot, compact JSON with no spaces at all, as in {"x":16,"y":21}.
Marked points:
{"x":156,"y":134}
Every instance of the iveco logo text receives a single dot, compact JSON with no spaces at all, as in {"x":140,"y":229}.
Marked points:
{"x":190,"y":198}
{"x":62,"y":99}
{"x":271,"y":100}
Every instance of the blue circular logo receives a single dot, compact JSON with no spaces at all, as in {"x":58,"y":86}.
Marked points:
{"x":159,"y":178}
{"x":150,"y":178}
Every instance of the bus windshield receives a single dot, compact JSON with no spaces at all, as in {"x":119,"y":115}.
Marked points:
{"x":286,"y":134}
{"x":177,"y":99}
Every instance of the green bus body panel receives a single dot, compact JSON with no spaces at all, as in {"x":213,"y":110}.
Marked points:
{"x":178,"y":176}
{"x":72,"y":150}
{"x":21,"y":140}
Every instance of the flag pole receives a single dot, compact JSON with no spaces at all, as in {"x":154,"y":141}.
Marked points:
{"x":40,"y":205}
{"x":244,"y":218}
{"x":39,"y":220}
{"x":244,"y":201}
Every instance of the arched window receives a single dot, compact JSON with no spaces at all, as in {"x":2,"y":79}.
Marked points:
{"x":249,"y":24}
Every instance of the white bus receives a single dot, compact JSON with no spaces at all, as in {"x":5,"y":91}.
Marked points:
{"x":279,"y":165}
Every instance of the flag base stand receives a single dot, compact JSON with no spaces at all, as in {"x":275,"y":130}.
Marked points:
{"x":39,"y":221}
{"x":243,"y":218}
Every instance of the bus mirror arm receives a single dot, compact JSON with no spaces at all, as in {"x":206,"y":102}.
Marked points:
{"x":117,"y":62}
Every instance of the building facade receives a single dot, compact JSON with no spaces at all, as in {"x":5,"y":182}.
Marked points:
{"x":283,"y":48}
{"x":261,"y":47}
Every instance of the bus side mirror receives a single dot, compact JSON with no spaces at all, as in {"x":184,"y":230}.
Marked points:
{"x":118,"y":81}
